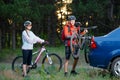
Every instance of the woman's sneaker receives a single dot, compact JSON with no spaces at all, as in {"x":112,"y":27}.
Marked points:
{"x":66,"y":74}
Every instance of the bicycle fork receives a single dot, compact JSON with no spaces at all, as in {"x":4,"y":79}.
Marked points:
{"x":49,"y":58}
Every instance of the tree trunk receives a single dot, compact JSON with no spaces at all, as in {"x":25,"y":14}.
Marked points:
{"x":13,"y":37}
{"x":3,"y":38}
{"x":110,"y":10}
{"x":8,"y":39}
{"x":49,"y":30}
{"x":0,"y":40}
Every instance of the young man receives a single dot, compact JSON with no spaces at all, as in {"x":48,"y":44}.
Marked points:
{"x":69,"y":29}
{"x":28,"y":39}
{"x":68,"y":34}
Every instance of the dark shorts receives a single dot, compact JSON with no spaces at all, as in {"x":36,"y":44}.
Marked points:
{"x":27,"y":56}
{"x":68,"y":53}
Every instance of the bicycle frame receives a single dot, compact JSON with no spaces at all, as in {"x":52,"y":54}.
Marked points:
{"x":40,"y":51}
{"x":47,"y":61}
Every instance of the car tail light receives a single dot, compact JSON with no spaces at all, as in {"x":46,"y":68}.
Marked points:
{"x":93,"y":43}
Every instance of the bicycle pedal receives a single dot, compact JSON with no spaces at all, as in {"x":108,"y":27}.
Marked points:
{"x":34,"y":66}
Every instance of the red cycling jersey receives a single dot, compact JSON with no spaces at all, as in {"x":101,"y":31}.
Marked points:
{"x":68,"y":33}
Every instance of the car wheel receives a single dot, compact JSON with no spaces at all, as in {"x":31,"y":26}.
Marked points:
{"x":115,"y":67}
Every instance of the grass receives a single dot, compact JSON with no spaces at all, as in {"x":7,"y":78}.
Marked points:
{"x":39,"y":74}
{"x":86,"y":72}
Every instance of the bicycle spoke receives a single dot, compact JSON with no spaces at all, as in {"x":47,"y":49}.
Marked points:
{"x":55,"y":66}
{"x":17,"y":64}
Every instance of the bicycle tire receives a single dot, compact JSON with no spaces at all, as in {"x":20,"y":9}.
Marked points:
{"x":55,"y":66}
{"x":17,"y":64}
{"x":86,"y":50}
{"x":78,"y":41}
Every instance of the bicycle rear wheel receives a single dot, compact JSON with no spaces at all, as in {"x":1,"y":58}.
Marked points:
{"x":17,"y":64}
{"x":87,"y":49}
{"x":55,"y":66}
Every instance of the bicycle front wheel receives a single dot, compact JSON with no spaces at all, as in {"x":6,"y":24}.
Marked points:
{"x":17,"y":64}
{"x":75,"y":42}
{"x":55,"y":66}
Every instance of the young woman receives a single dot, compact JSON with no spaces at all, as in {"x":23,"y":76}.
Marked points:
{"x":28,"y":39}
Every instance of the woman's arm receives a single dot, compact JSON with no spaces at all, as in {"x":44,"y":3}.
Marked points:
{"x":38,"y":39}
{"x":31,"y":38}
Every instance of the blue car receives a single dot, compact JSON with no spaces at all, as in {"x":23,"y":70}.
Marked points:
{"x":105,"y":52}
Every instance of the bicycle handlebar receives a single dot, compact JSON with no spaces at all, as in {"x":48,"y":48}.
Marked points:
{"x":92,"y":27}
{"x":45,"y":43}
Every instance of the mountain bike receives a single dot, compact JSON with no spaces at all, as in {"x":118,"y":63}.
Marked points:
{"x":51,"y":62}
{"x":82,"y":42}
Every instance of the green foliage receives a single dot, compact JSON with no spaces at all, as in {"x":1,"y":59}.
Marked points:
{"x":24,"y":9}
{"x":97,"y":12}
{"x":5,"y":54}
{"x":91,"y":7}
{"x":41,"y":11}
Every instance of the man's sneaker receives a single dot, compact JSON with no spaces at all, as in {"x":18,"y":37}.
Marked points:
{"x":66,"y":74}
{"x":74,"y":73}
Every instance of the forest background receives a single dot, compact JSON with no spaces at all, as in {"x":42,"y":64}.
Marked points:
{"x":49,"y":16}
